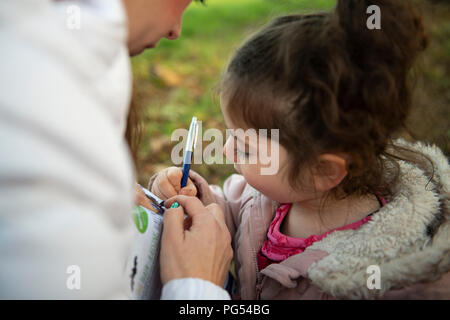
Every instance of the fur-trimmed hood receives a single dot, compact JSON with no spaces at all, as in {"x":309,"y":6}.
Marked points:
{"x":408,"y":239}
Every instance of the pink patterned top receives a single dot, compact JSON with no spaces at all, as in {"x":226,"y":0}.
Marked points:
{"x":279,"y":247}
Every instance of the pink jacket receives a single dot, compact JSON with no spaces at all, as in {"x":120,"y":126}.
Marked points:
{"x":408,"y":239}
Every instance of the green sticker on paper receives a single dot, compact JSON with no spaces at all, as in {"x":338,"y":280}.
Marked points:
{"x":140,"y":219}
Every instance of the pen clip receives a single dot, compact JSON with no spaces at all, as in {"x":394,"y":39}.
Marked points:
{"x":195,"y":136}
{"x":192,"y":135}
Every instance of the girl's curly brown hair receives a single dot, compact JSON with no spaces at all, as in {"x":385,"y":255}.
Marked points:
{"x":330,"y":84}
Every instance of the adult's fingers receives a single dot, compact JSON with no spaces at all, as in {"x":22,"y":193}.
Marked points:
{"x":197,"y":179}
{"x":215,"y":210}
{"x":203,"y":191}
{"x":173,"y":229}
{"x":192,"y":206}
{"x":202,"y":252}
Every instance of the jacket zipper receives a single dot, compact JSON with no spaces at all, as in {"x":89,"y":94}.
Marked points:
{"x":258,"y":274}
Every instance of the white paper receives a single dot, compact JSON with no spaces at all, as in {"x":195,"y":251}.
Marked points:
{"x":142,"y":270}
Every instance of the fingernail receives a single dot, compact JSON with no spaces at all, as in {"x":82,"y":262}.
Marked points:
{"x":175,"y":205}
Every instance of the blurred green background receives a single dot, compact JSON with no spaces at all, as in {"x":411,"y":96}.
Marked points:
{"x":177,"y":80}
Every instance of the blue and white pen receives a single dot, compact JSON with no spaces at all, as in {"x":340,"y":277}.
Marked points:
{"x":189,"y":152}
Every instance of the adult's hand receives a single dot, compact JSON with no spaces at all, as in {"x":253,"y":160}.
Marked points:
{"x":200,"y":248}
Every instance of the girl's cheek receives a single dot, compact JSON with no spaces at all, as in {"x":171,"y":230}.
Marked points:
{"x":269,"y":185}
{"x":252,"y":176}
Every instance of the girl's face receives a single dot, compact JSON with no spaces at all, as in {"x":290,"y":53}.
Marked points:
{"x":251,"y":159}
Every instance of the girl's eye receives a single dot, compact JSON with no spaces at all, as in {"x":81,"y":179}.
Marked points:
{"x":242,"y":154}
{"x":238,"y":153}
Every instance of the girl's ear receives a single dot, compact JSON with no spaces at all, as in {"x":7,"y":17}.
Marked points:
{"x":330,"y":170}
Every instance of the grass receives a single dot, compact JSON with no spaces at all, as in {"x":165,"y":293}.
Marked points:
{"x":430,"y":118}
{"x":176,"y":81}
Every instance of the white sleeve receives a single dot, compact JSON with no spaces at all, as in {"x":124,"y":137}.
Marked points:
{"x":193,"y":289}
{"x":66,"y":179}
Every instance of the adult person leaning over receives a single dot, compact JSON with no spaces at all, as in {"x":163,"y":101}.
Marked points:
{"x":66,"y":178}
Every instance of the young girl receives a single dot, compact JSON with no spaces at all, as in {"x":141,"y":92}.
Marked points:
{"x":352,"y":212}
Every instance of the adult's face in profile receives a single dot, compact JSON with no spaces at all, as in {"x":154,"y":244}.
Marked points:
{"x":151,"y":20}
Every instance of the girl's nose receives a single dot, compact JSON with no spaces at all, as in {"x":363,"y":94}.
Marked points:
{"x":228,"y":149}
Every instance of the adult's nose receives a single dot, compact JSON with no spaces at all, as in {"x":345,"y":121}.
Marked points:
{"x":175,"y":32}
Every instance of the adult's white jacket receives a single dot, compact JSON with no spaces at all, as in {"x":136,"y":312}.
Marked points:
{"x":66,"y":177}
